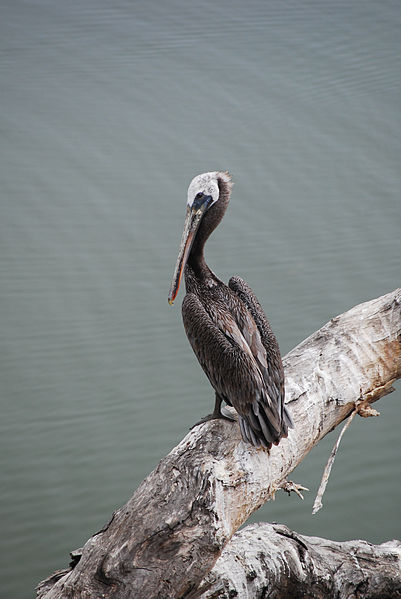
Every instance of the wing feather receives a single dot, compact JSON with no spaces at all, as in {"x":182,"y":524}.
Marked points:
{"x":223,"y":353}
{"x":270,"y":363}
{"x":239,"y":354}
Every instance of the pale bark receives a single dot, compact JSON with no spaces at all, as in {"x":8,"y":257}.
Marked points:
{"x":273,"y":562}
{"x":168,"y":536}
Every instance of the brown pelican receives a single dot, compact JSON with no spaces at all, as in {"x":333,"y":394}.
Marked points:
{"x":226,"y":326}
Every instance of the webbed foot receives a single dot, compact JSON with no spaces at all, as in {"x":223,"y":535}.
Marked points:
{"x":213,"y":416}
{"x":217,"y":413}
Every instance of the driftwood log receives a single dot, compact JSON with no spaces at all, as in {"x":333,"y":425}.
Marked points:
{"x":166,"y":540}
{"x":269,"y":560}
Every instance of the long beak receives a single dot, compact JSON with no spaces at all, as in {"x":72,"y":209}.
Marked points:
{"x":192,"y":221}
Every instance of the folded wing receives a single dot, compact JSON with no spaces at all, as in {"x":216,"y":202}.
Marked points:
{"x":240,"y":356}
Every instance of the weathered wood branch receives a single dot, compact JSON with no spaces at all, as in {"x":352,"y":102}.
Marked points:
{"x":271,"y":561}
{"x":168,"y":536}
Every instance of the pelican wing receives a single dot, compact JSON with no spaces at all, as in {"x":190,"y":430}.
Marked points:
{"x":274,"y":373}
{"x":230,"y":351}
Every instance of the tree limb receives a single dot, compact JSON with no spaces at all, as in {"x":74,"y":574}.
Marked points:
{"x":271,"y":561}
{"x":168,"y":536}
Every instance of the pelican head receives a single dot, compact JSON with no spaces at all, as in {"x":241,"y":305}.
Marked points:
{"x":204,"y":192}
{"x":203,"y":186}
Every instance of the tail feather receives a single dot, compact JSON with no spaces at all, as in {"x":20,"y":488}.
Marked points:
{"x":287,"y":418}
{"x":257,"y":430}
{"x":254,"y":437}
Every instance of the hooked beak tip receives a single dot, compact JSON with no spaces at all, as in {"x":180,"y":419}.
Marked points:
{"x":170,"y":301}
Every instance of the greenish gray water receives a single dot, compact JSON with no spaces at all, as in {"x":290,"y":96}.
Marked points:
{"x":107,"y":111}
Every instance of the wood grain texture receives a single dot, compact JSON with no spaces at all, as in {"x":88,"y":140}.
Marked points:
{"x":273,"y":562}
{"x":168,"y":536}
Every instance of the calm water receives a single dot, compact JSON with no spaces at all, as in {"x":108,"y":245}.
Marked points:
{"x":107,"y":111}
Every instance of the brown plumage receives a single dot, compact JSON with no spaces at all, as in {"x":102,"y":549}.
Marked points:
{"x":226,"y":325}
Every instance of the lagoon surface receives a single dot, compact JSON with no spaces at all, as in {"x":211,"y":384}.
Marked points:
{"x":107,"y":112}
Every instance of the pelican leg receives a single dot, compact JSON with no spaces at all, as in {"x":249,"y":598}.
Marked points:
{"x":216,"y":414}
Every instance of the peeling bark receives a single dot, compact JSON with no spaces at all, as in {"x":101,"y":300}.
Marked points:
{"x":168,"y":536}
{"x":273,"y":562}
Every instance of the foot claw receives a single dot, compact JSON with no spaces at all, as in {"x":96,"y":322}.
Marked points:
{"x":213,"y":416}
